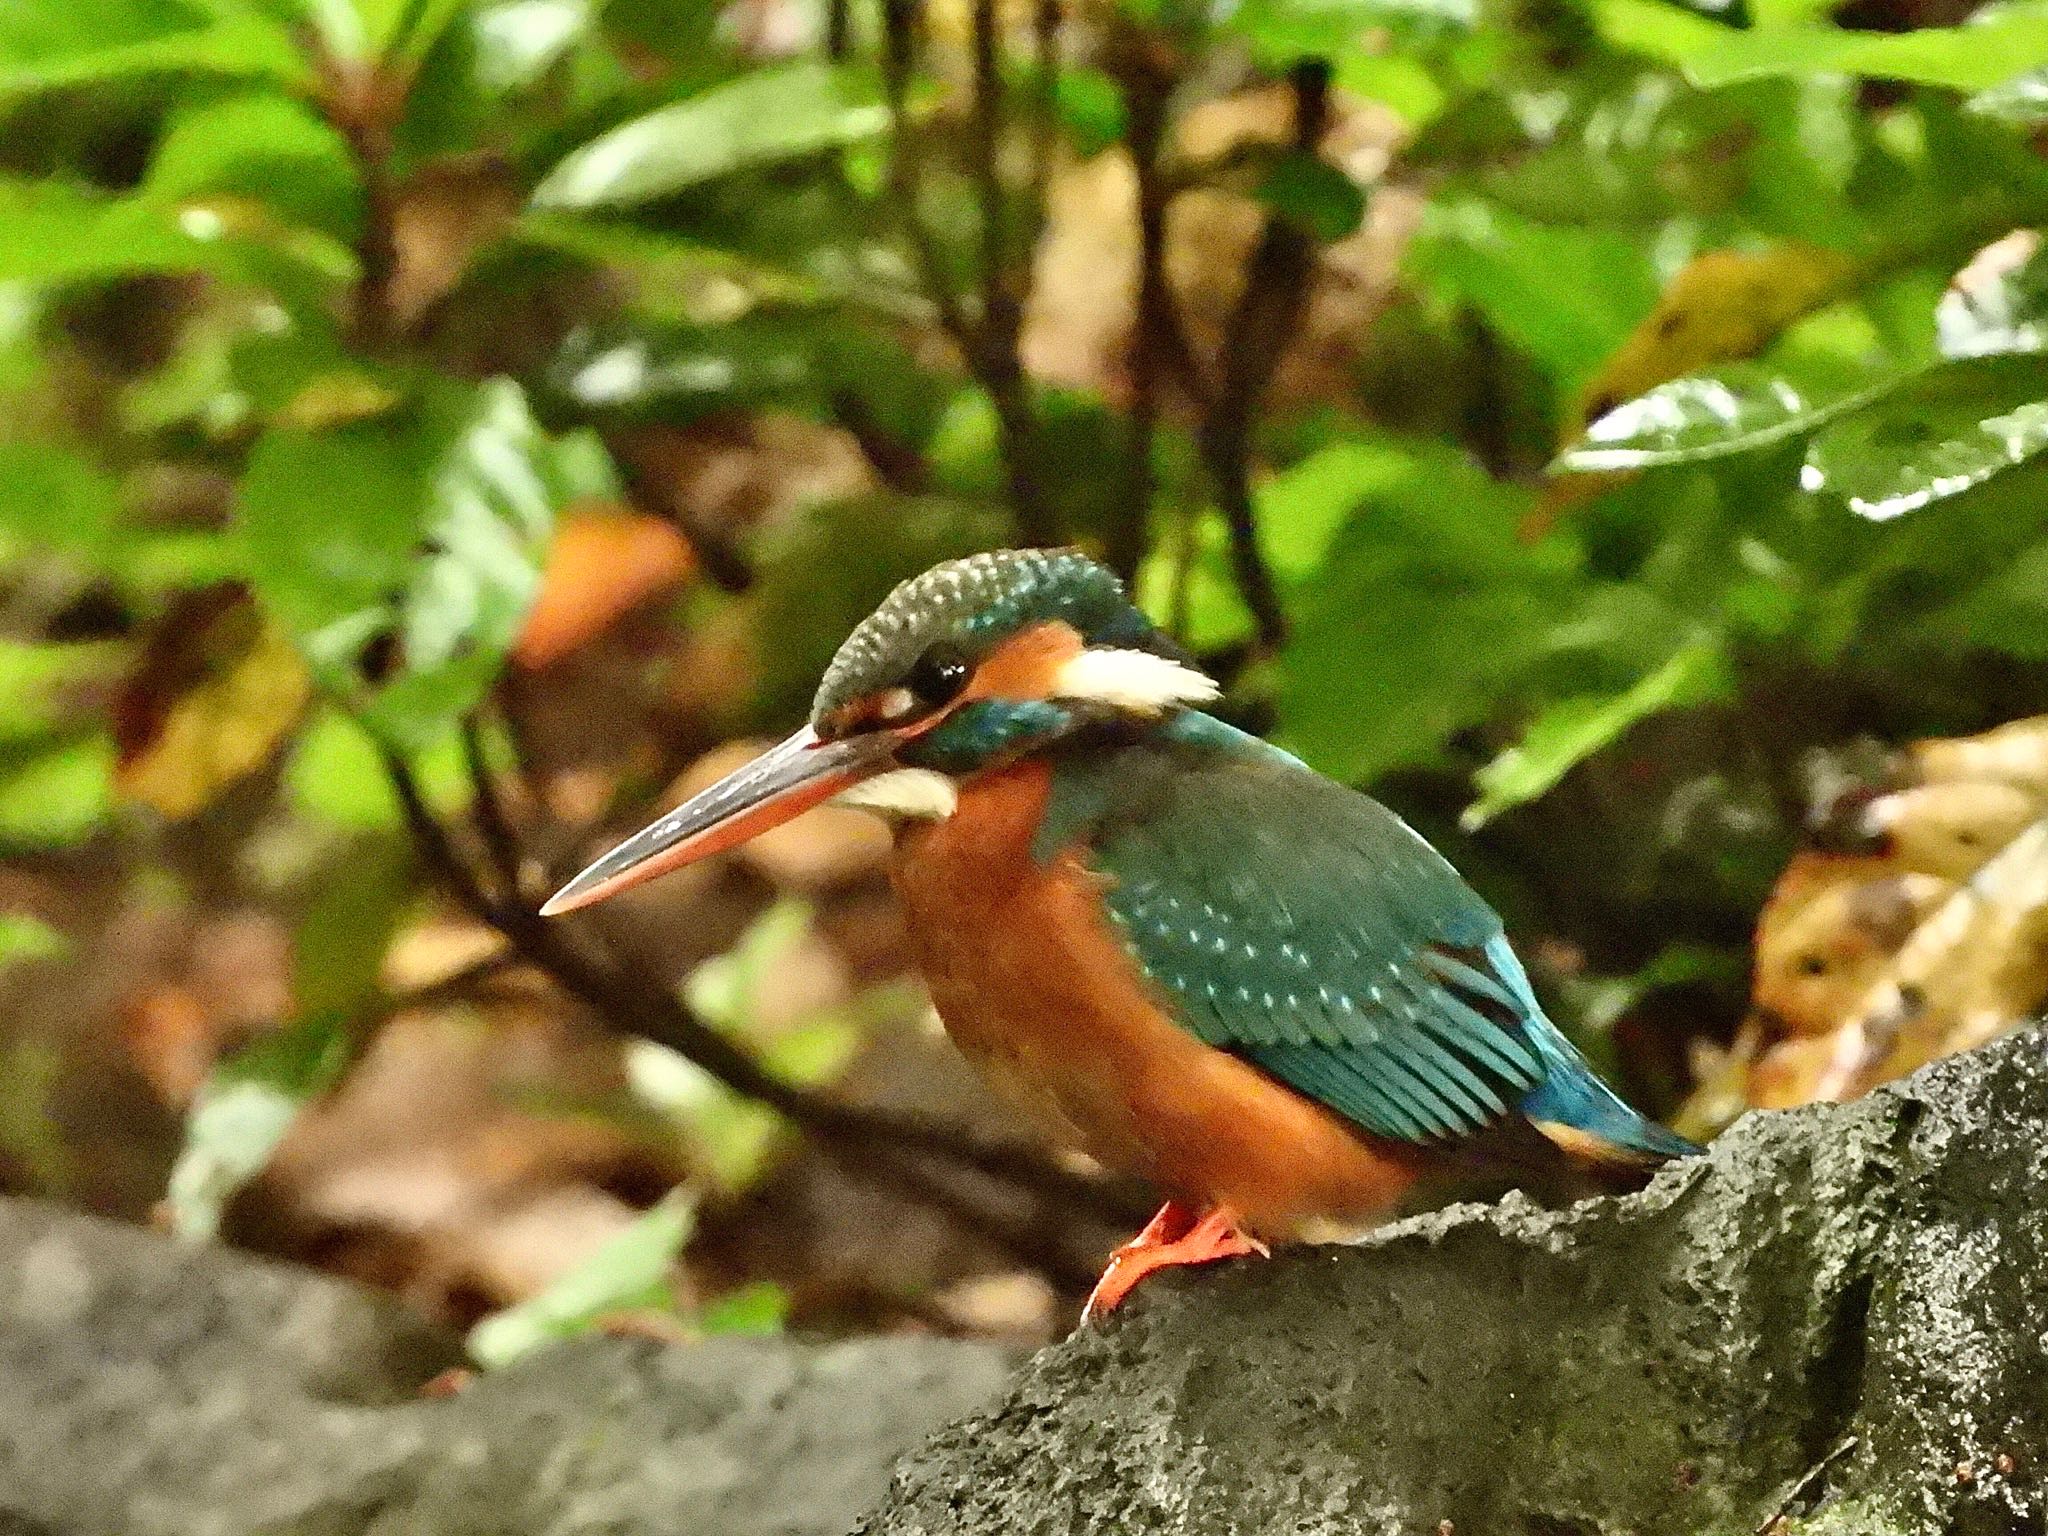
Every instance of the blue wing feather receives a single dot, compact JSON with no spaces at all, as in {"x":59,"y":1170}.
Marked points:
{"x":1311,"y":931}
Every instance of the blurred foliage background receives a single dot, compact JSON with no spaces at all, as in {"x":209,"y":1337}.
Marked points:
{"x":439,"y":432}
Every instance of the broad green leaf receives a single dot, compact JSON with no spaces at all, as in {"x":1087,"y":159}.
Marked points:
{"x":406,"y":606}
{"x":1427,"y":605}
{"x":1667,"y":33}
{"x":674,"y":373}
{"x":52,"y":496}
{"x":1713,"y":416}
{"x":1571,"y":730}
{"x":46,"y":46}
{"x":630,"y":1272}
{"x":44,"y":685}
{"x":335,"y":776}
{"x":57,"y":232}
{"x":265,"y":146}
{"x":1964,"y":424}
{"x":244,"y":1110}
{"x":773,"y":114}
{"x":1998,"y":43}
{"x":1309,"y":191}
{"x":1512,"y":269}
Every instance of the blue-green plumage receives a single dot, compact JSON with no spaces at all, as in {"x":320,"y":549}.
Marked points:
{"x":1309,"y":930}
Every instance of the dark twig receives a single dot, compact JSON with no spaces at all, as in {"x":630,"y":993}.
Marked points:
{"x":987,"y":339}
{"x":1145,"y":92}
{"x":654,"y":1013}
{"x":1263,"y":322}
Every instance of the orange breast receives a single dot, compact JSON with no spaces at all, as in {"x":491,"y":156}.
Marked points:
{"x":1037,"y":991}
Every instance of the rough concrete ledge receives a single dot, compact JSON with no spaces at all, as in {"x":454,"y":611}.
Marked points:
{"x":1838,"y":1319}
{"x":148,"y":1389}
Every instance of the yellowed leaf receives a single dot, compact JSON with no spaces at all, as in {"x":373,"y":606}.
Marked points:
{"x":1929,"y":936}
{"x":210,"y":702}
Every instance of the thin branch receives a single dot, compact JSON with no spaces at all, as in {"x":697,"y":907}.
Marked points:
{"x":501,"y":844}
{"x":1263,"y":322}
{"x":988,"y":340}
{"x":1145,"y":92}
{"x":653,"y":1012}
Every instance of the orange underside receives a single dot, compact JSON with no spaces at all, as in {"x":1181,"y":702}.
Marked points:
{"x":1037,"y":991}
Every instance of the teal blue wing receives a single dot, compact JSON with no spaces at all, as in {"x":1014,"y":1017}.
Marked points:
{"x":1309,"y":930}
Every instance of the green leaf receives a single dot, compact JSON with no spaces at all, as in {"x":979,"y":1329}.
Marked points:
{"x":263,"y":146}
{"x":90,"y":42}
{"x":334,"y":776}
{"x":1996,"y":44}
{"x":1958,"y":427}
{"x":1313,"y":193}
{"x":1569,"y":731}
{"x":1509,"y":268}
{"x":1710,"y":416}
{"x":630,"y":1272}
{"x":1428,"y":605}
{"x":57,"y":232}
{"x":53,"y":497}
{"x":406,"y":605}
{"x":244,"y":1110}
{"x":339,"y":945}
{"x":44,"y":685}
{"x":770,"y":115}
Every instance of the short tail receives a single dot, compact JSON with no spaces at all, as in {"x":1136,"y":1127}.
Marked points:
{"x":1571,"y":1105}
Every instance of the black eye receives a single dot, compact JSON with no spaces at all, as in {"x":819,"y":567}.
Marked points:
{"x":937,"y":676}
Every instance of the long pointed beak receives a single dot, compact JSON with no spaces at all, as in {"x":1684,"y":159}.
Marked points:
{"x":778,"y":786}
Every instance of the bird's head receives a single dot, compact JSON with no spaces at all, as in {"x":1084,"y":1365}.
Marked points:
{"x":966,"y":668}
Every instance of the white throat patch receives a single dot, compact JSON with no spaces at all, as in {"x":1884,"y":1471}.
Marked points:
{"x":1138,"y":681}
{"x":919,"y":794}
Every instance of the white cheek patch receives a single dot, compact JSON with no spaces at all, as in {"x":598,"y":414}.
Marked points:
{"x":1138,"y":681}
{"x":916,"y":793}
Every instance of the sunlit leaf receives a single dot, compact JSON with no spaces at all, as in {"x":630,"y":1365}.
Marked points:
{"x":1508,"y":267}
{"x":1993,"y":46}
{"x":773,"y":114}
{"x":1961,"y":426}
{"x":261,"y":145}
{"x":2021,"y":102}
{"x":335,"y":776}
{"x":1736,"y":410}
{"x":633,"y":1271}
{"x":1427,"y":604}
{"x":244,"y":1111}
{"x":1571,"y":730}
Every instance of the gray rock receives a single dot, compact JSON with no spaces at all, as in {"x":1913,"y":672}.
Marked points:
{"x":1838,"y":1319}
{"x":152,"y":1390}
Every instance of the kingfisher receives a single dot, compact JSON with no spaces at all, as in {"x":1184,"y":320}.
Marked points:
{"x":1175,"y":945}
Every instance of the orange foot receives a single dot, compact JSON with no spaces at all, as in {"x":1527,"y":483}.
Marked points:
{"x":1170,"y":1238}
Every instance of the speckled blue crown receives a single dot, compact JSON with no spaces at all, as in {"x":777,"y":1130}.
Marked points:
{"x":973,"y":603}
